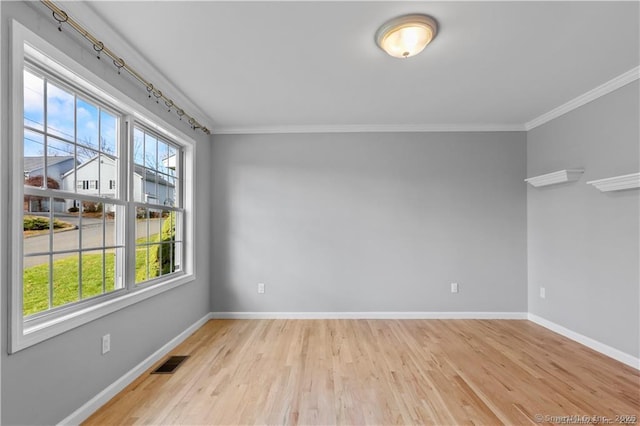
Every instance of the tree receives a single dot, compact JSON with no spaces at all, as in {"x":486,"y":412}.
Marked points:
{"x":162,"y":257}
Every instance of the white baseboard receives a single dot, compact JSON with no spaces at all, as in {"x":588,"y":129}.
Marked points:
{"x":91,"y":406}
{"x":607,"y":350}
{"x":368,"y":315}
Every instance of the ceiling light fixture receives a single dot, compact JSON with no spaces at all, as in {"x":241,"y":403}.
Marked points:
{"x":406,"y":35}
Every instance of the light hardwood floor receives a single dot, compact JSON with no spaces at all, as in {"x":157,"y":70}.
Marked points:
{"x":444,"y":372}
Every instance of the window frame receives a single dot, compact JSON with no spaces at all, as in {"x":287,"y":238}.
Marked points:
{"x":152,"y":206}
{"x":27,"y":47}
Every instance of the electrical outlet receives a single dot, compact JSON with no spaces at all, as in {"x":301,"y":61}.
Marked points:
{"x":260,"y":288}
{"x":106,"y":343}
{"x":454,"y":287}
{"x":543,"y":293}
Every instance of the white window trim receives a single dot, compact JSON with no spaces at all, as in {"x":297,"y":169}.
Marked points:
{"x":24,"y":41}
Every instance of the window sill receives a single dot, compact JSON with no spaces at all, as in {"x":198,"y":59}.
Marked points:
{"x":60,"y":324}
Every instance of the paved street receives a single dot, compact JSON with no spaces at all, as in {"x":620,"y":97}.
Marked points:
{"x":69,"y":240}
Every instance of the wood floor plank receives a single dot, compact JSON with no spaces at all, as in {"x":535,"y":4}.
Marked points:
{"x":323,"y":372}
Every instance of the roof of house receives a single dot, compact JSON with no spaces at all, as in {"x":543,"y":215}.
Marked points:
{"x":150,"y":176}
{"x":37,"y":162}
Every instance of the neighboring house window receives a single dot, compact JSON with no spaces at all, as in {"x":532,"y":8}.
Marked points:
{"x":82,"y":253}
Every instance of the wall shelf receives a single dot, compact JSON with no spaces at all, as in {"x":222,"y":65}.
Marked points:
{"x":617,"y":183}
{"x":561,"y":176}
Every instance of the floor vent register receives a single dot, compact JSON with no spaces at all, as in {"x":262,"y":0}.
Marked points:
{"x":170,"y":365}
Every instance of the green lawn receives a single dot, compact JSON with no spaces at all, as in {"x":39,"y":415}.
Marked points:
{"x":65,"y":279}
{"x":66,"y":272}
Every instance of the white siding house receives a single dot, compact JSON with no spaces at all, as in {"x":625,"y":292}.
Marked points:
{"x":98,"y":176}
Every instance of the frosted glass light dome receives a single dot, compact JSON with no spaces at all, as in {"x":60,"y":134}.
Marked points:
{"x":406,"y":35}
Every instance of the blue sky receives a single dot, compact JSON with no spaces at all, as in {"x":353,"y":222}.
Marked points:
{"x":96,"y":128}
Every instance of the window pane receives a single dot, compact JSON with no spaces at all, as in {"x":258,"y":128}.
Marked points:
{"x":35,"y":284}
{"x":167,"y":258}
{"x":152,"y":254}
{"x":86,"y":156}
{"x":33,"y":101}
{"x":111,"y":266}
{"x":93,"y":272}
{"x":87,"y":171}
{"x":138,"y":146}
{"x":92,"y":225}
{"x":171,"y":191}
{"x":150,"y":153}
{"x":33,"y":146}
{"x":65,"y":230}
{"x":155,"y":225}
{"x":87,"y":127}
{"x":35,"y":206}
{"x":65,"y":278}
{"x":142,"y":263}
{"x":108,"y":133}
{"x":142,"y":226}
{"x":172,"y":162}
{"x":163,"y":190}
{"x":163,"y":157}
{"x":150,"y":187}
{"x":161,"y":257}
{"x":108,"y":176}
{"x":169,"y":226}
{"x":35,"y":226}
{"x":60,"y":161}
{"x":33,"y":160}
{"x":111,"y":231}
{"x":60,"y":112}
{"x":138,"y":189}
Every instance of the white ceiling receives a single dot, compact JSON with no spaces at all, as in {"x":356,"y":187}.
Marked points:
{"x":264,"y":65}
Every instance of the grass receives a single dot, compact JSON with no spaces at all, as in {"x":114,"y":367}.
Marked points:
{"x":36,"y":225}
{"x":65,"y":278}
{"x":65,"y":281}
{"x":141,"y":258}
{"x":66,"y":273}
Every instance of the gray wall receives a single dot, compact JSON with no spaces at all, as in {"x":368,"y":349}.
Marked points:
{"x":583,"y":244}
{"x":46,"y":382}
{"x":369,"y":222}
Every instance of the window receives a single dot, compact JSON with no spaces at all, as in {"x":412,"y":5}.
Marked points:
{"x":156,"y":174}
{"x":104,"y":202}
{"x":67,"y":134}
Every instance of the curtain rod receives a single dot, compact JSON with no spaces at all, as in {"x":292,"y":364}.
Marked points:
{"x":62,"y":17}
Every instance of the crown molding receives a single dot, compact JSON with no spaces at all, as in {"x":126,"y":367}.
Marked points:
{"x":368,"y":128}
{"x":593,"y":94}
{"x":83,"y":13}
